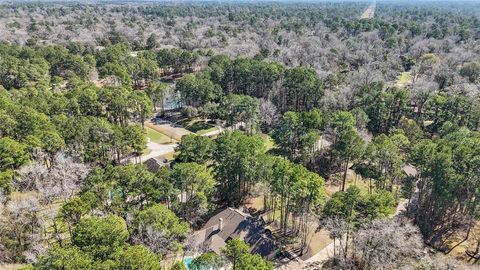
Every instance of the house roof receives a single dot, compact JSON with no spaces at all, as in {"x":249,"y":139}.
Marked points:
{"x":236,"y":224}
{"x":410,"y":170}
{"x":155,"y":163}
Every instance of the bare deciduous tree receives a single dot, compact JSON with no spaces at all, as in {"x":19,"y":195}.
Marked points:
{"x":19,"y":225}
{"x":157,"y":241}
{"x":337,"y":227}
{"x":62,"y":180}
{"x":387,"y":244}
{"x":421,"y":90}
{"x":269,"y":114}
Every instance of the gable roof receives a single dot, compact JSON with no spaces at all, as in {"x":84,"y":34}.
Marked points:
{"x":410,"y":170}
{"x":236,"y":224}
{"x":154,"y":164}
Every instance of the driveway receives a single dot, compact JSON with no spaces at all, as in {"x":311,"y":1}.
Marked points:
{"x":156,"y":150}
{"x":214,"y":132}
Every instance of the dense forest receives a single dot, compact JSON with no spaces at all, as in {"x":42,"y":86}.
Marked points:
{"x":309,"y":118}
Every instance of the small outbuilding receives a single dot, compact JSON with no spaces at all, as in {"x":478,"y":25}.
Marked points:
{"x":410,"y":170}
{"x":154,"y":164}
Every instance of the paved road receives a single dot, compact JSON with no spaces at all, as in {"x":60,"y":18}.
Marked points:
{"x":314,"y":262}
{"x":156,"y":150}
{"x":322,"y":255}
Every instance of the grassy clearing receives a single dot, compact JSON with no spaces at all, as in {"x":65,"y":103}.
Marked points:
{"x":368,"y":13}
{"x":269,"y":142}
{"x":335,"y":182}
{"x":404,"y":79}
{"x":158,"y":137}
{"x":205,"y":131}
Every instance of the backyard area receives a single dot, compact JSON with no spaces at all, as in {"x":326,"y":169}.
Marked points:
{"x":334,"y":183}
{"x":317,"y":240}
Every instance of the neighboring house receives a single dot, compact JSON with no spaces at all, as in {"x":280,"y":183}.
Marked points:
{"x":410,"y":170}
{"x":232,"y":223}
{"x":155,"y":163}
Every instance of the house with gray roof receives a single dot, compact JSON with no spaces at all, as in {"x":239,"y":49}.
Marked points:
{"x":232,"y":223}
{"x":154,"y":164}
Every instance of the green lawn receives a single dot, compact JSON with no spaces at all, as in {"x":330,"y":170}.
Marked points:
{"x":157,"y":137}
{"x":204,"y":131}
{"x":197,"y":126}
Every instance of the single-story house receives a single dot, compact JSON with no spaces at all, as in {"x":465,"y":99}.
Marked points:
{"x":232,"y":223}
{"x":154,"y":164}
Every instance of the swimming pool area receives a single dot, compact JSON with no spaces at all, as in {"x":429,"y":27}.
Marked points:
{"x":187,"y":262}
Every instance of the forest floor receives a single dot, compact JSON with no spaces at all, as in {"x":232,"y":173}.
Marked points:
{"x":320,"y":245}
{"x":317,"y":239}
{"x":335,"y":182}
{"x":455,"y":244}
